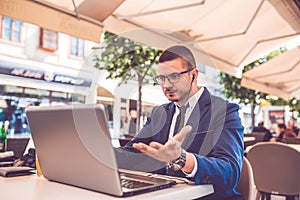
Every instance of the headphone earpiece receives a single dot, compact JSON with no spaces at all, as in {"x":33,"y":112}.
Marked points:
{"x":193,"y":78}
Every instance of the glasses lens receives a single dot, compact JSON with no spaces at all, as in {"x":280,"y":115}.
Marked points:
{"x":173,"y":78}
{"x":160,"y":79}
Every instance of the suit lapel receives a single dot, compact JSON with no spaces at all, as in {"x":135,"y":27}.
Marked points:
{"x":164,"y":133}
{"x":196,"y":118}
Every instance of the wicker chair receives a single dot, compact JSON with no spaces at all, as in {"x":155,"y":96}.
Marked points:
{"x":291,"y":140}
{"x":246,"y":183}
{"x":276,"y":169}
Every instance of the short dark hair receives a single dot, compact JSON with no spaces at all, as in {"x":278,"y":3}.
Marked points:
{"x":179,"y":51}
{"x":260,"y":123}
{"x":282,"y":126}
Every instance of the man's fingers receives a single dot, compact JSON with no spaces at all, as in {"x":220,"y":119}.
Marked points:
{"x":183,"y":132}
{"x":143,"y":147}
{"x":139,"y":146}
{"x":156,"y":145}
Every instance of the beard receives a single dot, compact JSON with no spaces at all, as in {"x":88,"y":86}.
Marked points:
{"x":176,"y":95}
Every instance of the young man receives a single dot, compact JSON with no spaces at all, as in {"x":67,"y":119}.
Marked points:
{"x":208,"y":149}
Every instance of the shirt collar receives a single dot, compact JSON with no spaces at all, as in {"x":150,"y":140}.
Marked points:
{"x":192,"y":101}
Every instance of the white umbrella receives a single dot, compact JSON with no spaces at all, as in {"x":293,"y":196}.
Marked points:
{"x":80,"y":18}
{"x":278,"y":76}
{"x":226,"y":34}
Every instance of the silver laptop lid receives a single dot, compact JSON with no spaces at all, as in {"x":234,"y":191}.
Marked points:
{"x":76,"y":138}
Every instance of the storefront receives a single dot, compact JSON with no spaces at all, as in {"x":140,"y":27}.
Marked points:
{"x":22,"y":86}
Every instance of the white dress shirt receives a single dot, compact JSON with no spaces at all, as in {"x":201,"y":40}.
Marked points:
{"x":192,"y":101}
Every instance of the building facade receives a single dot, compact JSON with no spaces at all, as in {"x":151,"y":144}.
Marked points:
{"x":39,"y":66}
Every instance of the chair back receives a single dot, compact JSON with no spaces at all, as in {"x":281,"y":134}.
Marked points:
{"x":275,"y":168}
{"x":259,"y":136}
{"x":291,"y":140}
{"x":125,"y":140}
{"x":246,"y":184}
{"x":17,"y":145}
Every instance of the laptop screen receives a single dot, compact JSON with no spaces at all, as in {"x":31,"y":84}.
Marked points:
{"x":73,"y":145}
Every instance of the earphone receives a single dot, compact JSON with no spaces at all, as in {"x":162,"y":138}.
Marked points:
{"x":193,"y":78}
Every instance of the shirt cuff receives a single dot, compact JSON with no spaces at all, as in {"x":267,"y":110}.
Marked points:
{"x":192,"y":174}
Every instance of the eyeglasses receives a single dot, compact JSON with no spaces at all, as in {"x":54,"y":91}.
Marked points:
{"x":172,"y":78}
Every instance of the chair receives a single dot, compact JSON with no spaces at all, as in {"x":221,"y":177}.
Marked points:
{"x":291,"y":140}
{"x":260,"y":136}
{"x":275,"y":169}
{"x":249,"y":142}
{"x":246,"y":184}
{"x":125,"y":140}
{"x":17,"y":145}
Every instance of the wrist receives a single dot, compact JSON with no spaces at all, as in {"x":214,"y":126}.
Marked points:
{"x":189,"y":164}
{"x":179,"y":162}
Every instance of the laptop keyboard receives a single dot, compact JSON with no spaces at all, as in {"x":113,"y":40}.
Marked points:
{"x":132,"y":184}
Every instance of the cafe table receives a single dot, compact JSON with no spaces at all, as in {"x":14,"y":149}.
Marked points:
{"x":33,"y":187}
{"x":295,"y":146}
{"x":248,"y":141}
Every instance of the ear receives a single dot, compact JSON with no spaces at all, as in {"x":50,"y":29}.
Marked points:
{"x":194,"y":74}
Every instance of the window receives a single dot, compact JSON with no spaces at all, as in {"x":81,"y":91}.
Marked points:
{"x":77,"y":47}
{"x":48,"y":39}
{"x":11,"y":29}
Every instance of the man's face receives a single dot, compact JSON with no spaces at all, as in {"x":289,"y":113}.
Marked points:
{"x":181,"y":89}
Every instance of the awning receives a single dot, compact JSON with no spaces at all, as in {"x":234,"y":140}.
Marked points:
{"x":278,"y":76}
{"x":80,"y":18}
{"x":226,"y":34}
{"x":43,"y":85}
{"x":32,"y":74}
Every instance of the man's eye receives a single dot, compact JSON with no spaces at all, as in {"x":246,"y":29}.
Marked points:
{"x":173,"y":76}
{"x":162,"y":78}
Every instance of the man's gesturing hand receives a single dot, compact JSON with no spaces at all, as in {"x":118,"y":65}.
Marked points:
{"x":167,"y":152}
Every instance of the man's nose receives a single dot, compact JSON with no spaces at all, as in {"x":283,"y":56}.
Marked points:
{"x":167,"y":83}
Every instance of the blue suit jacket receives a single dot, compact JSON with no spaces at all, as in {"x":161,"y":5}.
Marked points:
{"x":216,"y":140}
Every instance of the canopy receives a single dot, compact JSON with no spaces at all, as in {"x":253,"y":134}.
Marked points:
{"x":80,"y":18}
{"x":278,"y":76}
{"x":226,"y":34}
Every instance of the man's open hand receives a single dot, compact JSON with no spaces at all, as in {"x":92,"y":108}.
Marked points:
{"x":167,"y":152}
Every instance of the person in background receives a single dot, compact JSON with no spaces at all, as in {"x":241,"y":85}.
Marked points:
{"x":208,"y":149}
{"x":289,"y":132}
{"x":262,"y":129}
{"x":283,"y":133}
{"x":132,"y":122}
{"x":291,"y":126}
{"x":281,"y":130}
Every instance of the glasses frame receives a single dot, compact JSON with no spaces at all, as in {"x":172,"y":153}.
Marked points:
{"x":161,"y":79}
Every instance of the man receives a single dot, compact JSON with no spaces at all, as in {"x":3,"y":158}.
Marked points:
{"x":292,"y":127}
{"x":261,"y":129}
{"x":208,"y":150}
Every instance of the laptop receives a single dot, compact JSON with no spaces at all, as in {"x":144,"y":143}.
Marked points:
{"x":74,"y":147}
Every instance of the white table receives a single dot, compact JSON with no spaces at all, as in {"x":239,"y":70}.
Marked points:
{"x":249,"y":139}
{"x":295,"y":146}
{"x":33,"y":187}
